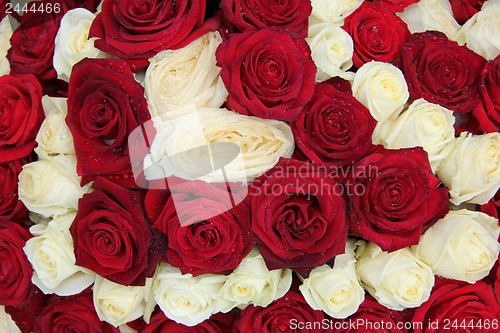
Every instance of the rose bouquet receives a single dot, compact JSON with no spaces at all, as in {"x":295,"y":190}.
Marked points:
{"x":249,"y":166}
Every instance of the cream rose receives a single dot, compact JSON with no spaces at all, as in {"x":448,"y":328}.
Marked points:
{"x":51,"y":187}
{"x":331,"y":51}
{"x":52,"y":256}
{"x":54,"y":136}
{"x":7,"y":325}
{"x":72,"y":42}
{"x":381,"y":87}
{"x":398,"y":280}
{"x":462,"y":246}
{"x":482,"y":30}
{"x":187,"y":76}
{"x":336,"y":291}
{"x":252,"y":283}
{"x":423,"y":124}
{"x":333,"y":11}
{"x":432,"y":15}
{"x":5,"y":34}
{"x":472,"y":168}
{"x":117,"y":304}
{"x":256,"y":145}
{"x":186,"y":299}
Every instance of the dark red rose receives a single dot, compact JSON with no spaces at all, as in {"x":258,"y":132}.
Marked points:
{"x":394,"y":197}
{"x":105,"y":104}
{"x":32,"y":43}
{"x":492,"y":207}
{"x":369,"y":318}
{"x":455,"y":304}
{"x":90,"y":5}
{"x":206,"y":234}
{"x":11,"y":208}
{"x":298,"y":216}
{"x":248,"y":15}
{"x":441,"y":71}
{"x":268,"y":73}
{"x":134,"y":29}
{"x":334,"y":129}
{"x":378,"y":34}
{"x":112,"y":236}
{"x":487,"y":113}
{"x":291,"y":313}
{"x":3,"y":9}
{"x":15,"y":269}
{"x":25,"y":315}
{"x":21,"y":115}
{"x":397,"y":5}
{"x":465,"y":9}
{"x":71,"y":314}
{"x":159,"y":323}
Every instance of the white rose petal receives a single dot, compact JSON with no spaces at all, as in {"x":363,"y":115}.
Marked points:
{"x":462,"y":246}
{"x":5,"y":34}
{"x":52,"y":256}
{"x":187,"y":76}
{"x":333,"y":11}
{"x":7,"y":325}
{"x":186,"y":299}
{"x":471,"y":169}
{"x":252,"y":283}
{"x":423,"y":124}
{"x":51,"y":187}
{"x":331,"y":51}
{"x":432,"y":15}
{"x":336,"y":291}
{"x":397,"y":280}
{"x":482,"y":31}
{"x":72,"y":42}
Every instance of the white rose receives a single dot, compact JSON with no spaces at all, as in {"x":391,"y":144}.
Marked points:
{"x":423,"y":124}
{"x":256,"y":145}
{"x":398,"y":280}
{"x":252,"y":283}
{"x":72,"y":42}
{"x":333,"y":11}
{"x":117,"y":304}
{"x":54,"y":136}
{"x":381,"y":87}
{"x":51,"y":187}
{"x":462,"y":246}
{"x":331,"y":50}
{"x":186,"y":299}
{"x":482,"y":30}
{"x":432,"y":15}
{"x":52,"y":256}
{"x":5,"y":34}
{"x":336,"y":291}
{"x":471,"y":170}
{"x":187,"y":76}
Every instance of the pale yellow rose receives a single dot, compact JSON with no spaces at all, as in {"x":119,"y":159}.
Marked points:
{"x":333,"y":11}
{"x":5,"y":34}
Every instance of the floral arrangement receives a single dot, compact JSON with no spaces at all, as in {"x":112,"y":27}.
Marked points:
{"x":249,"y":166}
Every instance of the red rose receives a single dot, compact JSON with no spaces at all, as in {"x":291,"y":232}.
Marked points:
{"x":112,"y":236}
{"x":465,"y":9}
{"x":369,"y":318}
{"x":90,"y":5}
{"x":334,"y":129}
{"x":134,"y":29}
{"x":71,"y":314}
{"x":15,"y":269}
{"x":268,"y":73}
{"x":32,"y":43}
{"x":206,"y":234}
{"x":492,"y":207}
{"x":21,"y":115}
{"x":487,"y":113}
{"x":397,"y":5}
{"x":11,"y":208}
{"x":441,"y":71}
{"x":455,"y":304}
{"x":291,"y":15}
{"x":105,"y":104}
{"x":298,"y":216}
{"x":394,"y":197}
{"x":159,"y":323}
{"x":378,"y":34}
{"x":291,"y":313}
